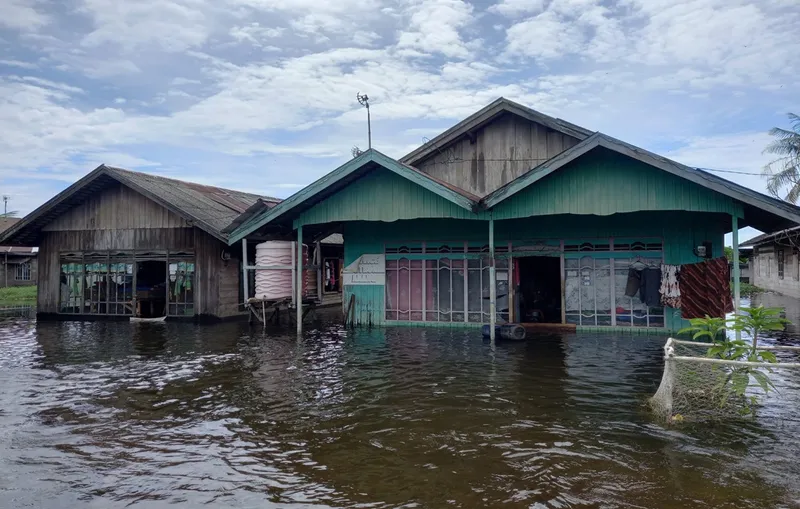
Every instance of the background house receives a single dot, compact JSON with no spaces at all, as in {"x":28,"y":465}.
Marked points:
{"x":119,"y":243}
{"x":18,"y":262}
{"x":775,"y":262}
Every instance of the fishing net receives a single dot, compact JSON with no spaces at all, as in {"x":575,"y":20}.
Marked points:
{"x":696,"y":387}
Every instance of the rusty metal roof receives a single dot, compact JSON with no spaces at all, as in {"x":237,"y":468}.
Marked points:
{"x":8,"y":222}
{"x":209,"y":208}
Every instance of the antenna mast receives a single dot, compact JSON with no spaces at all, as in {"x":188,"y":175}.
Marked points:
{"x":5,"y":204}
{"x":363,"y":100}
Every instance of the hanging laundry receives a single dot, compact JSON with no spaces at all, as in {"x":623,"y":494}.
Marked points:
{"x":670,"y":290}
{"x":634,"y":281}
{"x":706,"y":289}
{"x":649,"y":287}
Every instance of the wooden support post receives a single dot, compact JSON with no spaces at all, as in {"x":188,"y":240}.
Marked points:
{"x":492,"y":281}
{"x":245,"y":278}
{"x":299,"y":284}
{"x":737,"y":291}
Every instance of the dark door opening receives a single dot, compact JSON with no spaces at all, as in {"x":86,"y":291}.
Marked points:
{"x":151,"y":289}
{"x":538,"y":295}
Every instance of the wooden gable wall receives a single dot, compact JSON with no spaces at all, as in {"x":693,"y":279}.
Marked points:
{"x":499,"y":152}
{"x":118,"y":207}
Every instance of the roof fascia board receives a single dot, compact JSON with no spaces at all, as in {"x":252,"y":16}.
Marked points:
{"x":284,"y":207}
{"x":427,"y":183}
{"x":337,"y":175}
{"x":55,"y":200}
{"x":647,"y":157}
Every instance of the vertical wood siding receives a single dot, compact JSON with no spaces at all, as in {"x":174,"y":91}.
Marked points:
{"x":382,"y":196}
{"x":503,"y":150}
{"x":604,"y":183}
{"x":118,"y":207}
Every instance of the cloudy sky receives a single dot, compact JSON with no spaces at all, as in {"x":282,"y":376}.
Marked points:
{"x":259,"y":95}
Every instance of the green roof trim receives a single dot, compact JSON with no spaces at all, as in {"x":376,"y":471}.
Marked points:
{"x":343,"y":175}
{"x":751,"y":198}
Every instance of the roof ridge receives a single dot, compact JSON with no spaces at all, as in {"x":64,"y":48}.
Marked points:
{"x":206,"y":186}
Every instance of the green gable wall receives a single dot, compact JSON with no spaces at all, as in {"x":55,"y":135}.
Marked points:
{"x":603,"y":182}
{"x":382,"y":195}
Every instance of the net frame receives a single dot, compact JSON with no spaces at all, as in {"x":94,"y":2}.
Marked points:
{"x":662,"y":402}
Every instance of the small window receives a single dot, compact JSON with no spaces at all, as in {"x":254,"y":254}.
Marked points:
{"x":23,"y":272}
{"x":780,"y":263}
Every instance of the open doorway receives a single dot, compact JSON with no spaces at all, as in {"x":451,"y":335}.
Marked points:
{"x":538,"y":294}
{"x":151,"y":289}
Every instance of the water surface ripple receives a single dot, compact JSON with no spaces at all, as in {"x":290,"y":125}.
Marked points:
{"x":151,"y":415}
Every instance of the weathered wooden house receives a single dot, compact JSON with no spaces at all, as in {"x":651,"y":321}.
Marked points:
{"x":119,"y":243}
{"x":775,"y":261}
{"x":512,"y":209}
{"x":18,"y":262}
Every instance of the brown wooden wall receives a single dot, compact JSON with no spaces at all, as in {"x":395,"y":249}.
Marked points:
{"x":216,"y":281}
{"x":123,"y":220}
{"x":118,"y":207}
{"x":503,"y":150}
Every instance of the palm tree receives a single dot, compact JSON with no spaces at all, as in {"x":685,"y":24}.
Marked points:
{"x":783,"y":174}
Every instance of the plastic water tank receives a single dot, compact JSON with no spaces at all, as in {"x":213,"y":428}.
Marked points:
{"x":277,"y":283}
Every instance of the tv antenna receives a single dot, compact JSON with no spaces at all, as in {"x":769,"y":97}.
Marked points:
{"x":5,"y":204}
{"x":363,"y":100}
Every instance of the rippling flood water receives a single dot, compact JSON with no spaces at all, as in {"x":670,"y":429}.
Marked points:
{"x":151,"y":415}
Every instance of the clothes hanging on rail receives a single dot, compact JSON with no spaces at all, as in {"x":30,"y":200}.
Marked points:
{"x":706,"y":289}
{"x":670,"y":289}
{"x":633,"y":283}
{"x":649,"y":287}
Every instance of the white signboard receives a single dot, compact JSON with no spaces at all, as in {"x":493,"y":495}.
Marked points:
{"x":368,"y":269}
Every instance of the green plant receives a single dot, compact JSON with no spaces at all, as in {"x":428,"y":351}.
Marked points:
{"x":737,"y":379}
{"x":707,"y":327}
{"x":754,"y":320}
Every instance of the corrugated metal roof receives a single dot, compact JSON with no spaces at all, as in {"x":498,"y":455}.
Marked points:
{"x":766,"y":238}
{"x":213,"y":206}
{"x":209,"y":208}
{"x":8,"y":222}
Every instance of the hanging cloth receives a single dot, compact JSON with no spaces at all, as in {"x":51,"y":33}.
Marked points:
{"x":633,"y":283}
{"x":706,"y":289}
{"x":670,"y":290}
{"x":649,"y":287}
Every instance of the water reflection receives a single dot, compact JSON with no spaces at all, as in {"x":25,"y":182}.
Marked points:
{"x":118,"y":414}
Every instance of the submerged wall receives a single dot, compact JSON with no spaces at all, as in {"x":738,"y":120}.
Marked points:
{"x":680,"y":233}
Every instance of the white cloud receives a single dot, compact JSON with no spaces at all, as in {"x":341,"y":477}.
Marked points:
{"x":171,"y":25}
{"x":434,"y":27}
{"x":19,"y":63}
{"x":514,"y":8}
{"x":546,"y":36}
{"x":255,"y":34}
{"x":22,"y":15}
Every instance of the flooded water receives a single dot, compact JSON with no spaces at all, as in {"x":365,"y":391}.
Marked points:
{"x":107,"y":415}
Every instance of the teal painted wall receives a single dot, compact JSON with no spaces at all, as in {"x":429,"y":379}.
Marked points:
{"x":680,"y":231}
{"x":382,"y":196}
{"x":604,"y":182}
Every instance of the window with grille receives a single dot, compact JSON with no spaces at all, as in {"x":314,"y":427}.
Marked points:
{"x":23,"y":272}
{"x":780,"y":263}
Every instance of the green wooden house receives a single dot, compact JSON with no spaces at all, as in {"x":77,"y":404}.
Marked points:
{"x":512,"y":210}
